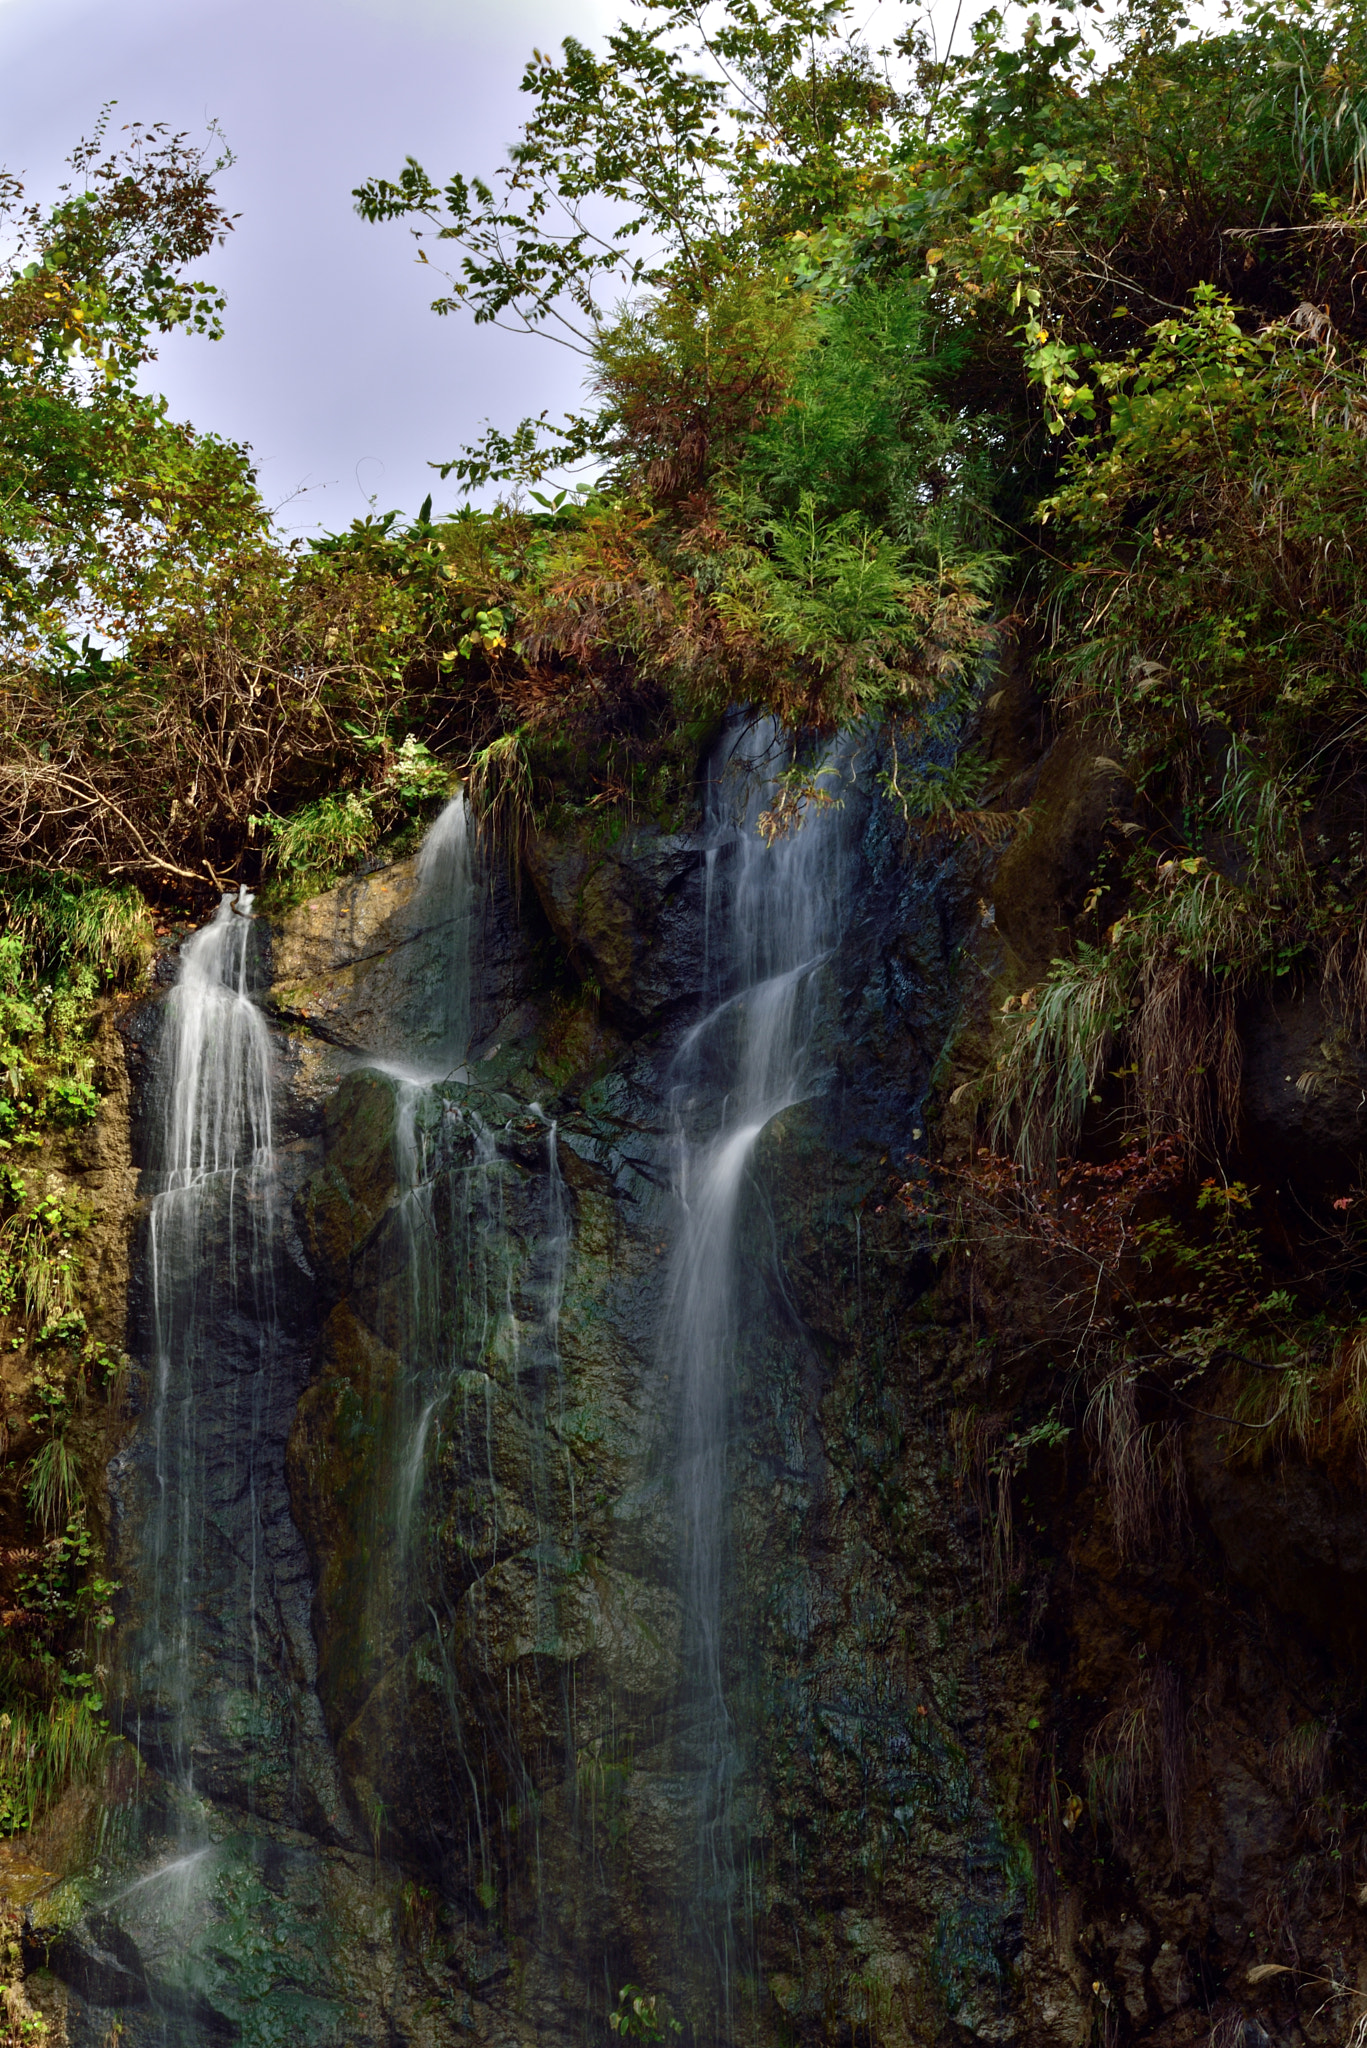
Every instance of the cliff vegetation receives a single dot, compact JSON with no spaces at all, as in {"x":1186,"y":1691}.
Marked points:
{"x":1010,"y":406}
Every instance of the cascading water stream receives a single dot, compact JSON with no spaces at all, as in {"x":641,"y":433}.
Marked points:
{"x":468,"y":1539}
{"x":216,"y":1669}
{"x":445,"y":903}
{"x":469,"y":1307}
{"x":772,"y":918}
{"x":211,"y":1246}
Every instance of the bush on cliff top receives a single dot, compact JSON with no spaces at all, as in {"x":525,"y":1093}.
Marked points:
{"x":1065,"y":324}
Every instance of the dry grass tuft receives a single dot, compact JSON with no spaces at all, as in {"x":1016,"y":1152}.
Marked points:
{"x":1300,"y":1761}
{"x":1187,"y":1053}
{"x":1141,"y":1746}
{"x":1140,"y":1463}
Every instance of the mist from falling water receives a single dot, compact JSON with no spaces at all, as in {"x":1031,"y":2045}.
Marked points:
{"x":772,"y":918}
{"x":211,"y":1229}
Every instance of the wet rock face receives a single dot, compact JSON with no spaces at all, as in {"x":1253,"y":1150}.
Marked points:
{"x":491,"y":1598}
{"x":361,"y":967}
{"x":1080,"y":796}
{"x":1294,"y":1535}
{"x":499,"y":1653}
{"x":460,"y":1797}
{"x":1304,"y":1095}
{"x":628,"y":912}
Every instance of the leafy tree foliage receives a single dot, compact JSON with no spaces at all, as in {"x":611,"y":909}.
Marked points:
{"x":1066,"y":326}
{"x":678,"y":160}
{"x":105,"y":503}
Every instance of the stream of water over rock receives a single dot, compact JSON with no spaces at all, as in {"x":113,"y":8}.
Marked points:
{"x":466,"y":1606}
{"x":210,"y":1256}
{"x":772,"y":911}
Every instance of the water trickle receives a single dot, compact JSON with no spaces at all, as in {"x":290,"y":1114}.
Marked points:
{"x":772,"y":916}
{"x":465,"y":1281}
{"x":428,"y":1133}
{"x":553,"y":1244}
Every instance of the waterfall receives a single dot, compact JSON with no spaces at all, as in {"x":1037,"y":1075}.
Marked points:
{"x":466,"y":1287}
{"x":772,"y":919}
{"x":476,"y":1623}
{"x":210,"y":1252}
{"x":444,"y":903}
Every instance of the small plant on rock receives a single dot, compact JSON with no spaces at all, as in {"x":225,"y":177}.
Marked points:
{"x":642,"y":2016}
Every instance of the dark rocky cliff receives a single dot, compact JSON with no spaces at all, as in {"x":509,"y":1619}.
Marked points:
{"x":474,"y":1820}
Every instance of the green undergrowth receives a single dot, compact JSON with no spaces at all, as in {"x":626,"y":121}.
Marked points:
{"x":53,"y":1726}
{"x":64,"y":942}
{"x":310,"y":848}
{"x":67,"y":945}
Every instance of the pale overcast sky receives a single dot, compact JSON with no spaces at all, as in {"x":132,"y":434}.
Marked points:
{"x":333,"y":368}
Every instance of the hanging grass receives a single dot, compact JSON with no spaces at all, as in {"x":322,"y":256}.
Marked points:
{"x":1141,"y":1748}
{"x":1058,"y":1037}
{"x":52,"y":1486}
{"x":499,"y":788}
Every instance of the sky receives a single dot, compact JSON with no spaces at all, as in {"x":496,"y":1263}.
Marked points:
{"x":334,"y":370}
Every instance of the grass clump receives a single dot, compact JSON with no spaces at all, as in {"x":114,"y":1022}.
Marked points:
{"x":38,"y":1256}
{"x":1140,"y":1748}
{"x":1058,"y":1036}
{"x":323,"y":839}
{"x":42,"y":1752}
{"x":67,"y":922}
{"x":52,"y":1485}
